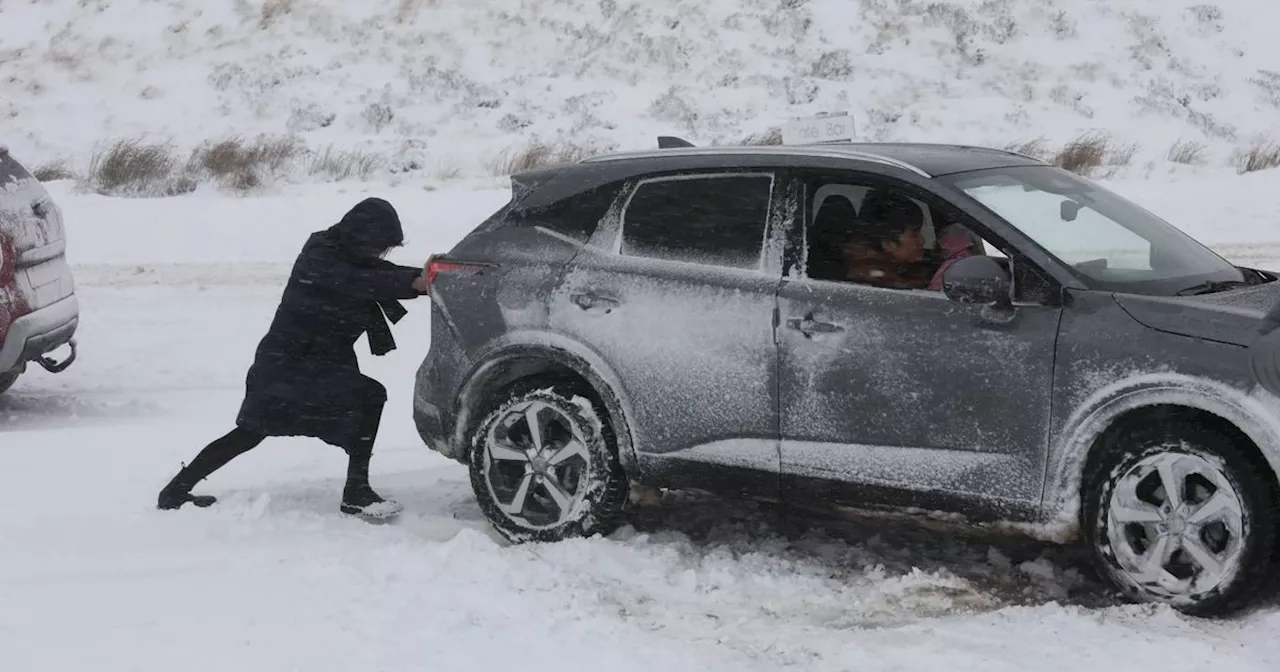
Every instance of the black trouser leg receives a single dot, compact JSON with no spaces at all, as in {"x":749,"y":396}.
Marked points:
{"x":214,"y":456}
{"x":360,"y":452}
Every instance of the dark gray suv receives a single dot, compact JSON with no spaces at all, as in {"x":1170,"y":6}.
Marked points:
{"x":716,"y":319}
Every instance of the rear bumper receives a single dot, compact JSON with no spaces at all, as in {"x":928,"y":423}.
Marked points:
{"x":33,"y":335}
{"x":430,"y":426}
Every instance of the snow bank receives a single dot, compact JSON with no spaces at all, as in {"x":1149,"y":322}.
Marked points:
{"x":441,"y":89}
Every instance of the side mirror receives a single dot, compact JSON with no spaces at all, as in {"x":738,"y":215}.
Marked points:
{"x":978,"y":279}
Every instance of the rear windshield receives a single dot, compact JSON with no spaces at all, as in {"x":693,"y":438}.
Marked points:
{"x":11,"y":170}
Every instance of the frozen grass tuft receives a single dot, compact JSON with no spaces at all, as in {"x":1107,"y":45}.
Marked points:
{"x":1091,"y":151}
{"x":1263,"y":155}
{"x":1034,"y":148}
{"x":52,"y":171}
{"x":133,"y":167}
{"x":1188,"y":152}
{"x":536,"y":155}
{"x":272,"y":10}
{"x":773,"y":136}
{"x":243,"y":165}
{"x":338,"y":165}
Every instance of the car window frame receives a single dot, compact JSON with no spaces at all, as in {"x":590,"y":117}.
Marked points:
{"x":997,"y":236}
{"x":614,"y":223}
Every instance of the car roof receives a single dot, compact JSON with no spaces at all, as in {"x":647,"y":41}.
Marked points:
{"x":921,"y":159}
{"x":924,"y":159}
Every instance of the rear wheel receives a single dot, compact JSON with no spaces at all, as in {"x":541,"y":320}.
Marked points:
{"x":544,"y":465}
{"x":1181,"y":516}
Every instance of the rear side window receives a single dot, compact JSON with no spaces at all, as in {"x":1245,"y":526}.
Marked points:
{"x":575,"y":216}
{"x":716,"y":220}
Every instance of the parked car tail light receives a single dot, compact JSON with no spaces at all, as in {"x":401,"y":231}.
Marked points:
{"x":7,"y":260}
{"x":438,"y":264}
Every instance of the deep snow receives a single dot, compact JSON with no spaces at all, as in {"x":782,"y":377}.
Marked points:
{"x":91,"y":576}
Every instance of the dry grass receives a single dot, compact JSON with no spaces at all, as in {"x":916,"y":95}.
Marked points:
{"x":1033,"y":148}
{"x":244,"y":165}
{"x":1083,"y":155}
{"x":1091,"y":151}
{"x":1188,"y":152}
{"x":534,"y":156}
{"x":442,"y":171}
{"x":53,"y":170}
{"x":408,"y":9}
{"x":1263,"y":155}
{"x":274,"y":9}
{"x":133,"y":167}
{"x":773,"y":136}
{"x":337,"y":165}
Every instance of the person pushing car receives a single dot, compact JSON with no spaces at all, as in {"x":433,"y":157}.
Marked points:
{"x":305,"y":379}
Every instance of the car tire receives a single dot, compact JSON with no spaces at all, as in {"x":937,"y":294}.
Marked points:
{"x":8,"y":379}
{"x":1208,"y":552}
{"x":565,"y":481}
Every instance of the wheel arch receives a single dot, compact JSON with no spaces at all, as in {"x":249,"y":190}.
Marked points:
{"x":540,"y":356}
{"x":1250,"y":418}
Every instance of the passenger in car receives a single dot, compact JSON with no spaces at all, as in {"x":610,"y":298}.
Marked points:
{"x":955,"y":243}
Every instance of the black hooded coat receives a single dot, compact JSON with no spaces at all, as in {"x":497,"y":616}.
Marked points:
{"x":305,"y":379}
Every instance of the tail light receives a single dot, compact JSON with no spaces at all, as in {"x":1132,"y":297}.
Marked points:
{"x":438,"y":264}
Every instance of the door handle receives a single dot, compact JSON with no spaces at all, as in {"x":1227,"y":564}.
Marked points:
{"x":588,"y":301}
{"x":808,"y":326}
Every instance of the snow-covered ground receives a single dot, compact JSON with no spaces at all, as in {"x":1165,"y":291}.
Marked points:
{"x":175,"y":294}
{"x":443,"y":88}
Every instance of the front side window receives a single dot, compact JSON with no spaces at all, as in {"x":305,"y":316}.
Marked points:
{"x":715,"y":220}
{"x":1112,"y":243}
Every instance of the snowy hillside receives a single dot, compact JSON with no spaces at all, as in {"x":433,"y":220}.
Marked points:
{"x":442,"y":89}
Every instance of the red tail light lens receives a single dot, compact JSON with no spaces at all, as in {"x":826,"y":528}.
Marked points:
{"x":438,"y":265}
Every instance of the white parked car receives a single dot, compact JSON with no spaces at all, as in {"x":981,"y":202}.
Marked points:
{"x":39,"y":312}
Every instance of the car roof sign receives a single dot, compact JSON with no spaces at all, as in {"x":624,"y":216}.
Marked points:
{"x":819,"y":129}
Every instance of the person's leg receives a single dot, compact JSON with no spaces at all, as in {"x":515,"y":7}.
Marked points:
{"x":214,"y":456}
{"x":358,"y":495}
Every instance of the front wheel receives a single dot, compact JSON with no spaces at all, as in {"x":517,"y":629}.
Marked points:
{"x":1180,"y":516}
{"x":544,"y":467}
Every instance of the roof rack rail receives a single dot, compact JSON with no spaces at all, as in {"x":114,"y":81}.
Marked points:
{"x":1015,"y":152}
{"x":671,"y":141}
{"x":826,"y":150}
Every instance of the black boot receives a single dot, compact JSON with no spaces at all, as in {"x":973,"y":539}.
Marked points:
{"x":212,"y":458}
{"x":358,"y":497}
{"x":178,"y":492}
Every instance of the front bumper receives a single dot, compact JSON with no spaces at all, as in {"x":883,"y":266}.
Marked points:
{"x":35,"y":334}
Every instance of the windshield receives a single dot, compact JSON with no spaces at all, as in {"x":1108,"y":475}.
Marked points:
{"x":1112,"y":244}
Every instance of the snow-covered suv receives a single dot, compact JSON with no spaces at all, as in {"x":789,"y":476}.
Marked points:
{"x":39,"y":311}
{"x":690,"y":318}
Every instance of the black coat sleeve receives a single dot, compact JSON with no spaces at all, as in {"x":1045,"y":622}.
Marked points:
{"x":327,"y":267}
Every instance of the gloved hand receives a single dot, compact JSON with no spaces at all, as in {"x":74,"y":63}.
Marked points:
{"x":420,"y":283}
